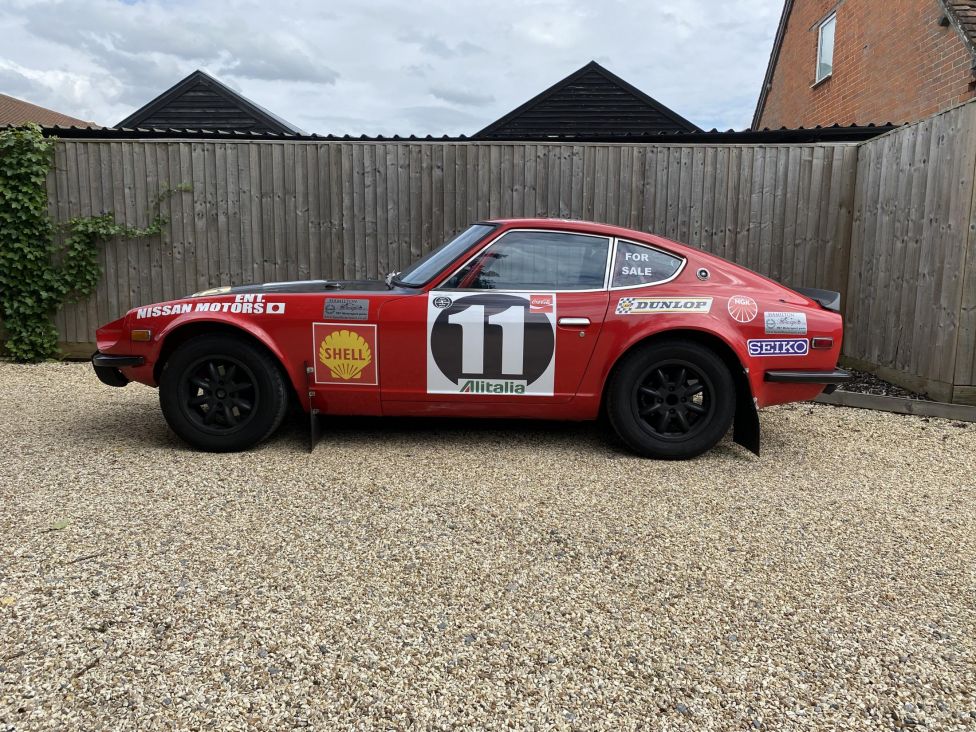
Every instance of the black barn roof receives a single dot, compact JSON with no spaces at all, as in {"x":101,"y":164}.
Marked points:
{"x":591,"y":102}
{"x":782,"y":136}
{"x":202,"y":102}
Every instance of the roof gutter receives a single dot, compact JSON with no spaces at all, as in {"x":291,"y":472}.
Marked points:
{"x":955,"y":22}
{"x":773,"y":60}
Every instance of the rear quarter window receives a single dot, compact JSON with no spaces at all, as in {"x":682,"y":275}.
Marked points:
{"x":637,"y":265}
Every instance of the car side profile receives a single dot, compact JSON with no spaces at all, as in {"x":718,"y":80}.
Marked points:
{"x":523,"y":318}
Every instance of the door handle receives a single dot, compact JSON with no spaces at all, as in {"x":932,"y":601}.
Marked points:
{"x":577,"y":322}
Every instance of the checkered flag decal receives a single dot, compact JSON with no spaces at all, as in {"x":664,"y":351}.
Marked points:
{"x":625,"y":305}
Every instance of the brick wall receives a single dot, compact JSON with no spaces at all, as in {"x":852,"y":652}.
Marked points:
{"x":893,"y":62}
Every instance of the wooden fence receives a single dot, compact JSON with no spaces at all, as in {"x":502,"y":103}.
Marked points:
{"x":888,"y":223}
{"x":912,"y":311}
{"x":265,"y":211}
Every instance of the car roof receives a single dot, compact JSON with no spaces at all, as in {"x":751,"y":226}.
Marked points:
{"x":701,"y":257}
{"x":589,"y":227}
{"x":592,"y":227}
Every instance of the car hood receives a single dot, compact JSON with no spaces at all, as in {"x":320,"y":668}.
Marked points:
{"x":298,"y":287}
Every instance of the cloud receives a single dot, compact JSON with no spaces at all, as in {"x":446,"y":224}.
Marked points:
{"x":455,"y":96}
{"x":435,"y":46}
{"x":384,"y":66}
{"x":290,"y":69}
{"x":440,"y":118}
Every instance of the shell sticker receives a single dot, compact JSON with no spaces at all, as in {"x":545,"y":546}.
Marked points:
{"x":344,"y":353}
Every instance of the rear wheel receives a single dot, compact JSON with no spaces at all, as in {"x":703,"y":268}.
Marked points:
{"x":222,"y":394}
{"x":671,"y":400}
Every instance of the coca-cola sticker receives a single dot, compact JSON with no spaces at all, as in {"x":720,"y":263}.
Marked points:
{"x":743,"y":309}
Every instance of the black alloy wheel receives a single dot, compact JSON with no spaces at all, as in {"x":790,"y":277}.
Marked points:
{"x":674,"y":399}
{"x":671,"y":399}
{"x":219,"y":394}
{"x":222,"y":393}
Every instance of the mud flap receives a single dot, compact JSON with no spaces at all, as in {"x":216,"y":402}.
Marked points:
{"x":745,"y":428}
{"x":314,"y":432}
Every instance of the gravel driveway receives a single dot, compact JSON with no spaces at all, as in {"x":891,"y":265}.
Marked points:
{"x":447,"y":575}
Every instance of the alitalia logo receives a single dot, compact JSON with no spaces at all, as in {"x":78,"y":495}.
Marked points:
{"x":491,"y":386}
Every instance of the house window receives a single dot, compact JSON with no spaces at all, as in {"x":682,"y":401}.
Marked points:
{"x":825,"y":48}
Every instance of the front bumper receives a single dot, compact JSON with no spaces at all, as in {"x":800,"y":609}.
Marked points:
{"x":830,"y":379}
{"x":107,"y":367}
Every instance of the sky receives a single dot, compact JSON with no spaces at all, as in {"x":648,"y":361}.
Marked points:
{"x":383,"y":67}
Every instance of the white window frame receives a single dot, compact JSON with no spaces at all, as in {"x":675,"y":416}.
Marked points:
{"x":832,"y":18}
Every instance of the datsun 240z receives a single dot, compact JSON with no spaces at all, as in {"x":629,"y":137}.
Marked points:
{"x":534,"y":318}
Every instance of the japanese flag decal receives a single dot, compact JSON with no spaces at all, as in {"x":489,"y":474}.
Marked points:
{"x":493,"y":343}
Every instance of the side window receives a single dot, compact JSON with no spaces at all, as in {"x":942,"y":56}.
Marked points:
{"x":637,"y":265}
{"x":536,"y":260}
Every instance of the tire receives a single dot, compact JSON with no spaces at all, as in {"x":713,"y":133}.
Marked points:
{"x":222,"y":394}
{"x":660,"y":412}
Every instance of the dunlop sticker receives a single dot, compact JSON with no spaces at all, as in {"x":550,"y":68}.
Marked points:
{"x":661,"y":305}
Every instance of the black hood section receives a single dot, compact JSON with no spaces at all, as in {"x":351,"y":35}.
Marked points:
{"x":323,"y":286}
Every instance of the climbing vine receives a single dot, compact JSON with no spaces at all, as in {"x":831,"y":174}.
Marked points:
{"x":44,"y":265}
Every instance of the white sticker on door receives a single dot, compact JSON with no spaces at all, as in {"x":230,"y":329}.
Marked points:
{"x":494,"y":343}
{"x":786,"y":323}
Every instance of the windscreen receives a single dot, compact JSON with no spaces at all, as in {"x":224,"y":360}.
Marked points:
{"x":430,"y":265}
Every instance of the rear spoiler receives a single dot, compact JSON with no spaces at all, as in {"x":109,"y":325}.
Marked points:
{"x":827,"y":298}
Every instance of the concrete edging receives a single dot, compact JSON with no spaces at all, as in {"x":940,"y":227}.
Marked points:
{"x":898,"y":405}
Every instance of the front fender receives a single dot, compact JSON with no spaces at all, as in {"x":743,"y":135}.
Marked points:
{"x":222,"y":319}
{"x":163,"y":344}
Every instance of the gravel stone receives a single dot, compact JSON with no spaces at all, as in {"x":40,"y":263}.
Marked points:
{"x":336,"y":590}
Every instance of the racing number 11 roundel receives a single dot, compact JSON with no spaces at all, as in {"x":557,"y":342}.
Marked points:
{"x":491,"y":343}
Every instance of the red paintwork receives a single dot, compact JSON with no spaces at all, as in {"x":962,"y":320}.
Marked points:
{"x":582,"y":363}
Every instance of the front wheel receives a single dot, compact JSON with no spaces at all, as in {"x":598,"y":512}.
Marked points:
{"x":222,"y":394}
{"x":671,"y":400}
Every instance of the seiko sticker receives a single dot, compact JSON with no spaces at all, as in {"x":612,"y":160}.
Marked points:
{"x":779,"y":347}
{"x":743,"y":308}
{"x":243,"y":304}
{"x":345,"y":308}
{"x":786,"y":323}
{"x":661,"y":305}
{"x":492,"y":343}
{"x":344,"y":353}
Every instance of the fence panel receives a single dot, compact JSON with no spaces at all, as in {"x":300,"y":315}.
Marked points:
{"x":912,"y":312}
{"x":263,"y":211}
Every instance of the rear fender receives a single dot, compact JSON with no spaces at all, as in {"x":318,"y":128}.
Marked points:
{"x":745,"y":429}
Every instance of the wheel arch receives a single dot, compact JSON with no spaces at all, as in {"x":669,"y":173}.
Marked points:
{"x":746,"y":423}
{"x":183,"y":332}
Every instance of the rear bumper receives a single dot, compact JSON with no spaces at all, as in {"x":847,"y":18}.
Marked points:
{"x":107,"y":367}
{"x":830,"y":379}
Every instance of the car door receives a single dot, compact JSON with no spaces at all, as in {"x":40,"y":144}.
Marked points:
{"x":516,"y":323}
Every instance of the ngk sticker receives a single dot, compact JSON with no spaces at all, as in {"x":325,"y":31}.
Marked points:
{"x":743,"y":308}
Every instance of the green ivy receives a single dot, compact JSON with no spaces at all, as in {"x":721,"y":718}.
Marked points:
{"x":38,"y":275}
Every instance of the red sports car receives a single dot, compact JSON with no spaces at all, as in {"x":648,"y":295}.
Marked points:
{"x":534,"y":318}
